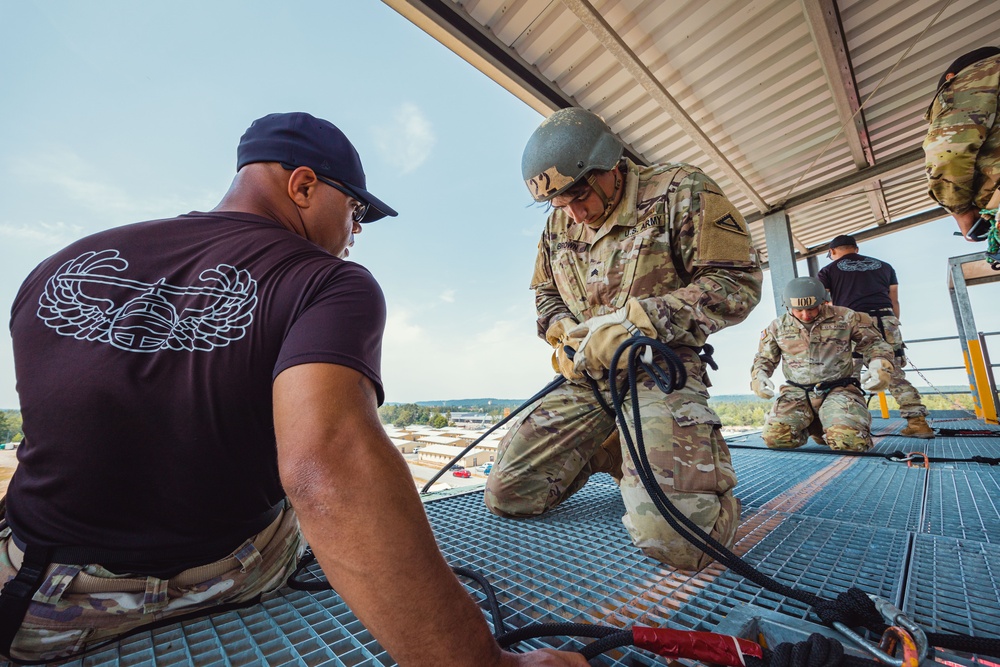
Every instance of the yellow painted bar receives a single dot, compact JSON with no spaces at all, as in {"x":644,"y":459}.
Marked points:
{"x":986,"y":398}
{"x":975,"y":396}
{"x":883,"y":404}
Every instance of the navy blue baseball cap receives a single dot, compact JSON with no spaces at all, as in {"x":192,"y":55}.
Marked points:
{"x":301,"y":140}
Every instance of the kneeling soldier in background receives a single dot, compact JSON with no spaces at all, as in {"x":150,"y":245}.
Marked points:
{"x":814,"y":342}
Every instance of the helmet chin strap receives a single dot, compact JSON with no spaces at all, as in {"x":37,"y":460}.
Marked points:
{"x":607,"y":199}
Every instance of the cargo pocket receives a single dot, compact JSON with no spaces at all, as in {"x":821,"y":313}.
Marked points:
{"x":680,"y":444}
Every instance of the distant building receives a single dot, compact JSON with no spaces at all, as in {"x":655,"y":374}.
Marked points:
{"x":441,"y":454}
{"x":471,"y":419}
{"x":403,"y":446}
{"x":425,"y":440}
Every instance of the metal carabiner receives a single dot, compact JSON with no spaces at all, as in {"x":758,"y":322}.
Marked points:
{"x":901,"y":627}
{"x":894,"y":634}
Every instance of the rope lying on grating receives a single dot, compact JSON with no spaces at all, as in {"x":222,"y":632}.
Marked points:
{"x":853,"y":608}
{"x":897,"y":456}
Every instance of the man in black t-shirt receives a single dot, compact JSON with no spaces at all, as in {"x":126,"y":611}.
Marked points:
{"x":179,"y":379}
{"x":869,"y":285}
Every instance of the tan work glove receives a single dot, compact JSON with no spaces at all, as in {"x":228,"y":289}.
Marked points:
{"x":557,"y":336}
{"x":600,"y":336}
{"x":762,"y":385}
{"x":877,"y":377}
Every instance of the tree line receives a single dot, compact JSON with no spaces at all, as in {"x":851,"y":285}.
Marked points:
{"x":411,"y":413}
{"x":10,"y":426}
{"x":742,"y":412}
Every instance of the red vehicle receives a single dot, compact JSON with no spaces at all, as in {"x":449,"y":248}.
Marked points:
{"x":462,"y":473}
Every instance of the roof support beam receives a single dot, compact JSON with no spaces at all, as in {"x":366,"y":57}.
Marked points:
{"x":933,"y":214}
{"x":853,"y":182}
{"x":449,"y":24}
{"x":827,"y":33}
{"x":600,"y":29}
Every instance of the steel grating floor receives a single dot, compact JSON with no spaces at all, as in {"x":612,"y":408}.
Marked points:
{"x":927,"y":540}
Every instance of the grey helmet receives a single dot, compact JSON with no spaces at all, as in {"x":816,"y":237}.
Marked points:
{"x":802,"y":293}
{"x":565,"y":147}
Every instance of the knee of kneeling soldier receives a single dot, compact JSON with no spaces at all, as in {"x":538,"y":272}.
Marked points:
{"x":512,"y":500}
{"x":778,"y":436}
{"x":846,"y":438}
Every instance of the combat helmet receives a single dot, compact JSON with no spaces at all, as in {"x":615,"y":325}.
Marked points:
{"x":565,"y":147}
{"x":802,"y":293}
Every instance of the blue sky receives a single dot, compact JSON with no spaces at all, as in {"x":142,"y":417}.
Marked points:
{"x":120,"y":111}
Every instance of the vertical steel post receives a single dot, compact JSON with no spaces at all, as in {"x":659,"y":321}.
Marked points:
{"x":976,"y":362}
{"x":780,"y":255}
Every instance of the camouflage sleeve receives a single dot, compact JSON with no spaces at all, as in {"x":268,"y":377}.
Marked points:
{"x":548,"y":303}
{"x":960,"y":120}
{"x":868,"y":342}
{"x":712,"y":245}
{"x":768,"y":352}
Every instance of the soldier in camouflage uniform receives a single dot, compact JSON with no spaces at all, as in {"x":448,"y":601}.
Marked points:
{"x":814,"y":342}
{"x":962,"y":147}
{"x":628,"y":249}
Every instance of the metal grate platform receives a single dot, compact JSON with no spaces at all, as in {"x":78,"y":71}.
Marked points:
{"x":954,"y":585}
{"x":925,"y":539}
{"x":964,"y":503}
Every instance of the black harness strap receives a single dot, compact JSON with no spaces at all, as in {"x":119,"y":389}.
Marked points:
{"x":17,"y":593}
{"x":824,"y":388}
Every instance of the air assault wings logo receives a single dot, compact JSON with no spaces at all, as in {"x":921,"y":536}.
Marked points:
{"x":149,"y":321}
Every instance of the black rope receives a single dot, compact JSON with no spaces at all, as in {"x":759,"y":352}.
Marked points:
{"x":545,"y":390}
{"x":897,"y":456}
{"x":536,"y":630}
{"x":681,"y":524}
{"x":852,"y":608}
{"x":611,"y":641}
{"x":491,"y":597}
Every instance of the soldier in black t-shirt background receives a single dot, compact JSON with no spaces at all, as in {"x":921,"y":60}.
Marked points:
{"x":869,"y":285}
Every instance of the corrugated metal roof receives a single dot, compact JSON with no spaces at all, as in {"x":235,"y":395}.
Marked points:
{"x":773,"y":85}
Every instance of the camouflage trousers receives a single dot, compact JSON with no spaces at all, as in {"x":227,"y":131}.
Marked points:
{"x":905,"y":393}
{"x":79,"y":607}
{"x":554,"y":449}
{"x":842,"y":415}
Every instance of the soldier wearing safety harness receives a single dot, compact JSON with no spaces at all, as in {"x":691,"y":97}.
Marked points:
{"x":627,"y":250}
{"x":813,"y":341}
{"x":869,"y":285}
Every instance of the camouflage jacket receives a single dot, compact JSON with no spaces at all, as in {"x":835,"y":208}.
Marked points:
{"x":821,"y":350}
{"x":674,"y":242}
{"x":962,"y":147}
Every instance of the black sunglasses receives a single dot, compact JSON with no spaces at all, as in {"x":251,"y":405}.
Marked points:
{"x":360,"y":207}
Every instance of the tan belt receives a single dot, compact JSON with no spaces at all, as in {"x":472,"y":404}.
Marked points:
{"x":88,"y":583}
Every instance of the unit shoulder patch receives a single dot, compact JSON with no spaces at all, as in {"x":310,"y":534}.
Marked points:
{"x":722,"y":235}
{"x":729,"y":222}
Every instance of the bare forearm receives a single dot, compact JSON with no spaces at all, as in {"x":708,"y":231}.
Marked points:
{"x":362,"y":517}
{"x":370,"y":534}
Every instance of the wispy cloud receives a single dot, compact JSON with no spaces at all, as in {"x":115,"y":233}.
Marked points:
{"x":80,"y":183}
{"x":54,"y":235}
{"x":448,"y":296}
{"x":408,"y":140}
{"x":424,"y":357}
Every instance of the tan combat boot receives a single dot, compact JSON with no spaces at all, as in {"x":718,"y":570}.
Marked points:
{"x":917,"y":427}
{"x":609,"y":457}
